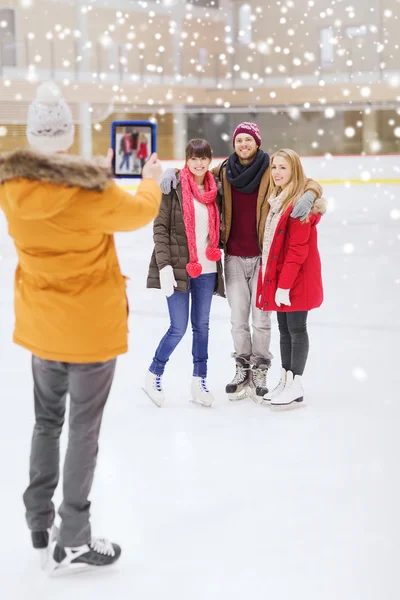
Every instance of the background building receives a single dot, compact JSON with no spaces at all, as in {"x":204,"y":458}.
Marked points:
{"x":319,"y":76}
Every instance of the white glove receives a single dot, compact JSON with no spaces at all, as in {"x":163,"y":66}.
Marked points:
{"x":167,"y":280}
{"x":282,"y":297}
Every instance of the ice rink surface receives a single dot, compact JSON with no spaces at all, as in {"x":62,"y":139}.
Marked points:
{"x":237,"y":502}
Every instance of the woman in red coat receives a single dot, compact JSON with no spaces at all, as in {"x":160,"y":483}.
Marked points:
{"x":290,"y":279}
{"x":143,"y":152}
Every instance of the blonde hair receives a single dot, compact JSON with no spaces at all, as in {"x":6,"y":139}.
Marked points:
{"x":298,"y":184}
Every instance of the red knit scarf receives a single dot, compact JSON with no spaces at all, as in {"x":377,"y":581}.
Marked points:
{"x":190,"y":189}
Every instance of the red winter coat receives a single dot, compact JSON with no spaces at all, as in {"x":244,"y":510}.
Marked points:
{"x":293,"y":263}
{"x":142,"y":152}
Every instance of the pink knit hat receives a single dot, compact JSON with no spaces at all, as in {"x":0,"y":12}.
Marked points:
{"x":250,"y":128}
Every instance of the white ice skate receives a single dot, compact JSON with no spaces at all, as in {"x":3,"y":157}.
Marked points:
{"x":291,"y":393}
{"x":276,"y":391}
{"x":200,"y":393}
{"x":153,"y":388}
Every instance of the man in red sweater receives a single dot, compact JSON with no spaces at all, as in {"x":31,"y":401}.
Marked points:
{"x":245,"y":178}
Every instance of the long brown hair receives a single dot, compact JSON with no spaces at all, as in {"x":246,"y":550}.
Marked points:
{"x":298,"y":183}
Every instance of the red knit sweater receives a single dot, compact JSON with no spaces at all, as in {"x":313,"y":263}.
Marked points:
{"x":243,"y":237}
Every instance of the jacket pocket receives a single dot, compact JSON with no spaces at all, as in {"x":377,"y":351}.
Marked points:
{"x":298,"y":286}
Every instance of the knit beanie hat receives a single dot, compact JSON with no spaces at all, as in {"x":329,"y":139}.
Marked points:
{"x":50,"y":127}
{"x":249,"y":128}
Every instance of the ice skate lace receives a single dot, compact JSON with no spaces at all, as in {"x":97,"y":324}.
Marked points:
{"x":203,"y":385}
{"x":102,"y":546}
{"x":157,"y":383}
{"x":240,"y":375}
{"x":260,"y":377}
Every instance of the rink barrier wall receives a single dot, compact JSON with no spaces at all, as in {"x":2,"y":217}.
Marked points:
{"x":134,"y":187}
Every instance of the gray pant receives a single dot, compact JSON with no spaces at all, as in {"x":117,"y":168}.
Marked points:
{"x":89,"y":387}
{"x":241,"y":276}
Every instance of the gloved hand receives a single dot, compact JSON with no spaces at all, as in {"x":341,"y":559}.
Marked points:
{"x":303,"y":206}
{"x":168,"y":181}
{"x":282,"y":297}
{"x":167,"y":280}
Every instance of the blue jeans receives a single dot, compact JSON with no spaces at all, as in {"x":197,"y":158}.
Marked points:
{"x":125,"y":161}
{"x":201,"y":289}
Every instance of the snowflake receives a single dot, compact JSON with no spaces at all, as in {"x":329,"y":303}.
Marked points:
{"x":359,"y":373}
{"x":348,"y":248}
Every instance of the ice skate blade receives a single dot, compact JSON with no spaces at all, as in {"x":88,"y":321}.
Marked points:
{"x":44,"y":553}
{"x":238,"y":396}
{"x":55,"y":569}
{"x":264,"y":402}
{"x":43,"y":557}
{"x":291,"y":406}
{"x":199,"y":403}
{"x":59,"y":570}
{"x":153,"y":401}
{"x":251,"y":393}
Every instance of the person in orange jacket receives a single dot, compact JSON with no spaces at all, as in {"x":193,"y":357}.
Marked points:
{"x":71,"y":312}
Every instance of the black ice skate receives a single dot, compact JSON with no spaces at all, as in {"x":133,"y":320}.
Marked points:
{"x":237,"y":388}
{"x":258,"y":386}
{"x":99,"y":553}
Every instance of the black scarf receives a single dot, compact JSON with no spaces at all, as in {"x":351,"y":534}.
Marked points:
{"x":246,"y":178}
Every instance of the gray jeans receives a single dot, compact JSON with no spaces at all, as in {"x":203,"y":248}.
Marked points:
{"x":89,"y":387}
{"x":241,"y":276}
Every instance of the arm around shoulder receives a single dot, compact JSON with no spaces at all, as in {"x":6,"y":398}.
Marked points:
{"x":313,"y":186}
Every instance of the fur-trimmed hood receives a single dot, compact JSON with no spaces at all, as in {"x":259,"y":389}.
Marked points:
{"x":24,"y":175}
{"x":60,"y":169}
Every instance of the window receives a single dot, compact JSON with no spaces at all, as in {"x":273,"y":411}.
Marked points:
{"x":8,"y":49}
{"x":327,"y":48}
{"x":245,"y":24}
{"x":353,"y":32}
{"x":204,"y":3}
{"x":203,"y":56}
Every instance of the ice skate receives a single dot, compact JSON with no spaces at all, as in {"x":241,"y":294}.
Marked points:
{"x":276,"y":391}
{"x":42,"y":541}
{"x":291,"y":393}
{"x":237,"y":389}
{"x":99,"y":553}
{"x":200,"y":392}
{"x":153,"y":388}
{"x":258,"y":381}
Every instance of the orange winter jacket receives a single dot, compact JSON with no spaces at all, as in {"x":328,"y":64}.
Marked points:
{"x":62,"y":212}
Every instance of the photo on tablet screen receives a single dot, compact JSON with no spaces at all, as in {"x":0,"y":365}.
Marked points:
{"x":133,"y":144}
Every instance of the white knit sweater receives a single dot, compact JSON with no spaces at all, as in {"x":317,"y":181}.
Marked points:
{"x":273,"y":218}
{"x":202,"y":235}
